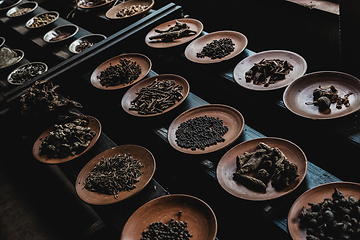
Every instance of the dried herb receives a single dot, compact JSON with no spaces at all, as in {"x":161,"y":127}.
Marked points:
{"x":200,"y":132}
{"x":114,"y":174}
{"x":174,"y":230}
{"x":42,"y":20}
{"x":334,"y":218}
{"x":157,"y":97}
{"x":59,"y":37}
{"x":217,"y":49}
{"x":268,"y":71}
{"x":20,"y":11}
{"x":27,"y":72}
{"x":7,"y":57}
{"x":123,"y":73}
{"x":83,"y":46}
{"x":179,"y":30}
{"x":67,"y":139}
{"x":131,"y":10}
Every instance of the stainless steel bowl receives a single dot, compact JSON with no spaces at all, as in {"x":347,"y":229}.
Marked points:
{"x":70,"y":30}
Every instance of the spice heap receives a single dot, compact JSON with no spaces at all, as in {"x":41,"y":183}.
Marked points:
{"x":27,"y":72}
{"x":67,"y":139}
{"x":200,"y":132}
{"x":83,"y":46}
{"x":114,"y":174}
{"x":123,"y":73}
{"x":324,"y":96}
{"x":217,"y":49}
{"x":7,"y":57}
{"x":268,"y":71}
{"x":265,"y":164}
{"x":42,"y":20}
{"x":334,"y":218}
{"x":157,"y":97}
{"x":173,"y":230}
{"x":59,"y":37}
{"x":179,"y":30}
{"x":20,"y":11}
{"x":131,"y":10}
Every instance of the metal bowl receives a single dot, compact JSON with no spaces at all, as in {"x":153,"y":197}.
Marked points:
{"x":30,"y":5}
{"x":2,"y":41}
{"x":6,"y":4}
{"x":31,"y":20}
{"x":20,"y":56}
{"x":92,"y":38}
{"x":69,"y":29}
{"x":13,"y":81}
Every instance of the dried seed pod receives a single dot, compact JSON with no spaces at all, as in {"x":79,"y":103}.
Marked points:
{"x":250,"y":182}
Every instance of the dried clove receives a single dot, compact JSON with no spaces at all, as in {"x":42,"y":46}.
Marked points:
{"x":174,"y":230}
{"x":217,"y":49}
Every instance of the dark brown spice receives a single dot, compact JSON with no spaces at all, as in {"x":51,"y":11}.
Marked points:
{"x":179,"y":30}
{"x":217,"y":49}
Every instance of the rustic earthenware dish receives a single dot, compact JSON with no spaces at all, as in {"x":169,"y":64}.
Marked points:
{"x":112,"y":12}
{"x":91,"y":38}
{"x":31,"y":5}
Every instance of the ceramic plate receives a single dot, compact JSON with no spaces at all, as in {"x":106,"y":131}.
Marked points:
{"x":299,"y":63}
{"x":231,"y":117}
{"x":94,"y":125}
{"x":130,"y":95}
{"x":194,"y":25}
{"x":227,"y":167}
{"x":197,"y":45}
{"x":92,"y":38}
{"x":31,"y":20}
{"x":6,"y":4}
{"x":200,"y":218}
{"x":140,"y":59}
{"x":30,"y":5}
{"x":20,"y":56}
{"x":317,"y":195}
{"x":300,"y":91}
{"x":111,"y":13}
{"x":15,"y":82}
{"x":140,"y":153}
{"x":106,"y":2}
{"x":69,"y":29}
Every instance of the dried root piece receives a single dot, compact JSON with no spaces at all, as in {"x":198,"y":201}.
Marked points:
{"x":178,"y":31}
{"x":250,"y":182}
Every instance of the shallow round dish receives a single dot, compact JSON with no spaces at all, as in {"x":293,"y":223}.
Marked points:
{"x":20,"y":56}
{"x":231,"y":117}
{"x":227,"y":167}
{"x":94,"y":125}
{"x":197,"y":45}
{"x":111,"y":13}
{"x":300,"y":92}
{"x":69,"y":29}
{"x":200,"y":218}
{"x":6,"y":4}
{"x":140,"y":59}
{"x":31,"y":5}
{"x":31,"y":20}
{"x":2,"y":41}
{"x":317,"y":195}
{"x":131,"y":93}
{"x":13,"y":81}
{"x":92,"y":38}
{"x":140,"y":153}
{"x":299,"y":63}
{"x":106,"y":2}
{"x":194,"y":25}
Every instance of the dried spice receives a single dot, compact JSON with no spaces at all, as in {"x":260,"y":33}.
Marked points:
{"x":174,"y":230}
{"x":131,"y":10}
{"x":114,"y":174}
{"x":7,"y":57}
{"x":334,"y":218}
{"x":268,"y":71}
{"x":42,"y":20}
{"x":179,"y":30}
{"x":27,"y":72}
{"x":67,"y":139}
{"x":265,"y":164}
{"x":89,"y":3}
{"x":323,"y":97}
{"x":217,"y":49}
{"x":123,"y":73}
{"x":60,"y":37}
{"x":83,"y":46}
{"x":157,"y":97}
{"x":200,"y":132}
{"x":20,"y":11}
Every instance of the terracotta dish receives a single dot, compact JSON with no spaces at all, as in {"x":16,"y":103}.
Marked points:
{"x":31,"y":20}
{"x":140,"y":153}
{"x":112,"y":12}
{"x":300,"y":92}
{"x":227,"y":167}
{"x":299,"y":63}
{"x":94,"y":125}
{"x":200,"y":218}
{"x":140,"y":59}
{"x":94,"y":6}
{"x":91,"y":38}
{"x":194,"y":25}
{"x":197,"y":45}
{"x":30,"y":5}
{"x":6,"y":4}
{"x":69,"y":29}
{"x":131,"y":93}
{"x":231,"y":117}
{"x":317,"y":195}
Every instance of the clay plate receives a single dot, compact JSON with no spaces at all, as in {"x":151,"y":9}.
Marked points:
{"x":231,"y":117}
{"x":111,"y":13}
{"x":11,"y":80}
{"x":317,"y":195}
{"x":194,"y":25}
{"x":299,"y":63}
{"x":140,"y":59}
{"x":301,"y":90}
{"x":130,"y":95}
{"x":140,"y":153}
{"x":64,"y":29}
{"x":92,"y":38}
{"x":31,"y":20}
{"x":227,"y":167}
{"x":32,"y":5}
{"x":4,"y":6}
{"x":95,"y":6}
{"x":94,"y":125}
{"x":20,"y":55}
{"x":200,"y":218}
{"x":197,"y":45}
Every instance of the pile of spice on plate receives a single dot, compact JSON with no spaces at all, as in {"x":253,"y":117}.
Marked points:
{"x":7,"y":57}
{"x":20,"y":11}
{"x":83,"y":46}
{"x":131,"y":10}
{"x":42,"y":20}
{"x":27,"y":72}
{"x":217,"y":49}
{"x":174,"y":230}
